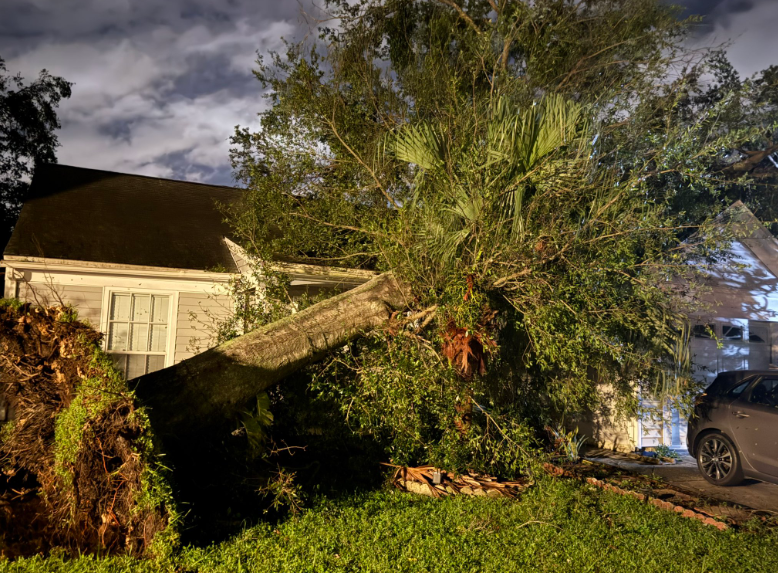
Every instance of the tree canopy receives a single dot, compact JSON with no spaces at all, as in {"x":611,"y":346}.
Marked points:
{"x":28,"y":120}
{"x":531,"y":170}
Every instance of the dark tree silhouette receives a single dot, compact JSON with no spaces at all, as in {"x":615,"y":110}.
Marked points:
{"x":28,"y":120}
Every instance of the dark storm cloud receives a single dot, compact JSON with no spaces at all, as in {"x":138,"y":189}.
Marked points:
{"x":746,"y":27}
{"x":159,"y":84}
{"x":209,"y":73}
{"x":120,"y":131}
{"x":716,"y":7}
{"x":718,"y":12}
{"x":69,"y":19}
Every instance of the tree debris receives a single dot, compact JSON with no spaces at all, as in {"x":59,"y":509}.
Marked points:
{"x":433,"y":482}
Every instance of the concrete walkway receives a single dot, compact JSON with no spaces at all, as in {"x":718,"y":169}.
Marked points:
{"x":685,"y":476}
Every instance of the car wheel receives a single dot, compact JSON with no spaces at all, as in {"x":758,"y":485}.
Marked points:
{"x":718,"y":461}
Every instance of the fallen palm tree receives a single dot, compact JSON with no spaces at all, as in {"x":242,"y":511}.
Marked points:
{"x":81,"y":438}
{"x":202,"y":392}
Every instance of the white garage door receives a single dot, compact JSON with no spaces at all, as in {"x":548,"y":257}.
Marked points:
{"x":717,"y":346}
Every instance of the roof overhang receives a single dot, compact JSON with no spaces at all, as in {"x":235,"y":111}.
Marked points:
{"x":297,"y":272}
{"x":89,"y":267}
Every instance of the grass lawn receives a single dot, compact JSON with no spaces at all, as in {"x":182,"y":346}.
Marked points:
{"x":558,"y":525}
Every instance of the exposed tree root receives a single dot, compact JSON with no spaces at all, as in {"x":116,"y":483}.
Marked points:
{"x":75,"y":436}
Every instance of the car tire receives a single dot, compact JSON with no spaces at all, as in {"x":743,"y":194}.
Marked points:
{"x":718,"y":460}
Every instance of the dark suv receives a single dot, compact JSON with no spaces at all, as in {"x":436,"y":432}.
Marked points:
{"x":734,"y":430}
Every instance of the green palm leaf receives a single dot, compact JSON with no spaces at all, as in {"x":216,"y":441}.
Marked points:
{"x":421,"y":145}
{"x":518,"y":143}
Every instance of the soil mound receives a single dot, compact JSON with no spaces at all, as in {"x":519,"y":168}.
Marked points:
{"x":78,"y":464}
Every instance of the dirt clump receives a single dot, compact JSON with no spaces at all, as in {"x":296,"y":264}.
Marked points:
{"x":78,"y":464}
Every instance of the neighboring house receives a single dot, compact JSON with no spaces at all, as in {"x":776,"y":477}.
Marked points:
{"x":147,"y":261}
{"x":738,"y":331}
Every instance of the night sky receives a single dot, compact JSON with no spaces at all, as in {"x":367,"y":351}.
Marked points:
{"x":160,"y":84}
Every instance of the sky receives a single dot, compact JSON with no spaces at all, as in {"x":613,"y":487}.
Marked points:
{"x":159,"y":85}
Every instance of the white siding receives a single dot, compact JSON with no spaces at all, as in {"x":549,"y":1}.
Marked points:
{"x":240,"y":257}
{"x":199,"y":299}
{"x":85,"y":299}
{"x":198,"y":317}
{"x":90,"y":294}
{"x":666,"y":427}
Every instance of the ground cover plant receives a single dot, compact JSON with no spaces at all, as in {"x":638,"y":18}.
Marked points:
{"x":559,"y":525}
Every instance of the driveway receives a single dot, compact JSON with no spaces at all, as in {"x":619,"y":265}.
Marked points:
{"x":685,"y":476}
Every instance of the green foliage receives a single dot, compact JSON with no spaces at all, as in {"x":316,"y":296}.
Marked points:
{"x":94,"y":397}
{"x":557,"y":526}
{"x":28,"y":120}
{"x":69,"y":314}
{"x":399,"y":391}
{"x":261,"y":294}
{"x":664,"y":451}
{"x":569,"y":444}
{"x":263,"y":298}
{"x":6,"y":429}
{"x":531,"y":170}
{"x":257,"y":422}
{"x":13,"y":303}
{"x":155,"y":493}
{"x":91,"y":399}
{"x":283,"y":492}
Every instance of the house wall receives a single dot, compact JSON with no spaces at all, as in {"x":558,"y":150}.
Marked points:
{"x":199,"y":302}
{"x":198,"y":316}
{"x":605,"y":429}
{"x":88,"y":300}
{"x":199,"y":299}
{"x":743,"y":294}
{"x":743,"y":298}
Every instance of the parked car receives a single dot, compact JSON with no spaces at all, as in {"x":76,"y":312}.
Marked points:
{"x":733,"y":433}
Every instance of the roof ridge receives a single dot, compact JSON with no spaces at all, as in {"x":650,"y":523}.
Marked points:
{"x":184,"y":181}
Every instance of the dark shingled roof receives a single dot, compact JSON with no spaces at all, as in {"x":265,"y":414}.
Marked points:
{"x":100,"y":216}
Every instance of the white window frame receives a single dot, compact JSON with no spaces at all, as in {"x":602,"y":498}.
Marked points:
{"x":170,"y":348}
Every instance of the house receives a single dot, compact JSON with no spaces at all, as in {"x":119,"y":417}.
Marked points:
{"x":737,"y":330}
{"x":147,"y":261}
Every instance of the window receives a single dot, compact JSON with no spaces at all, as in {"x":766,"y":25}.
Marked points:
{"x":765,"y":393}
{"x":704,"y":330}
{"x":730,"y":332}
{"x":757,"y":332}
{"x":738,"y":390}
{"x":138,"y":332}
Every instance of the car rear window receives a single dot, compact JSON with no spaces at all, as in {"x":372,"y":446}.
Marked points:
{"x":728,"y":384}
{"x":738,"y":390}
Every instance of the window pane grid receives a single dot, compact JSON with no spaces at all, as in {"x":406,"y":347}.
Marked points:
{"x":138,"y":332}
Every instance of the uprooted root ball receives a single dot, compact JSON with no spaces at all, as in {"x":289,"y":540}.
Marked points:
{"x":73,"y":430}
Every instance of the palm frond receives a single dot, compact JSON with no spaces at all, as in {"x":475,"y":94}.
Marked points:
{"x":518,"y":142}
{"x":421,"y":145}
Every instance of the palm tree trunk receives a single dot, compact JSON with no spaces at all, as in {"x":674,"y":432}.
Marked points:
{"x":213,"y":387}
